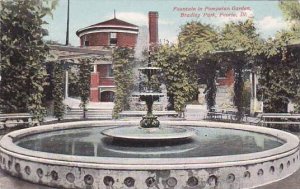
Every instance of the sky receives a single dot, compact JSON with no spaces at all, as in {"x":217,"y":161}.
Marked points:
{"x":172,"y":15}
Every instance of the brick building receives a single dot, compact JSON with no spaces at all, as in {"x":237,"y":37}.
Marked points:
{"x":106,"y":35}
{"x":109,"y":33}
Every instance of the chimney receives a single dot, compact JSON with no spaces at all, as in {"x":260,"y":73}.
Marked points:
{"x":153,"y":28}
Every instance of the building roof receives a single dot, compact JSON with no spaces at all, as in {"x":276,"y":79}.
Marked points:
{"x":112,"y":24}
{"x":115,"y":22}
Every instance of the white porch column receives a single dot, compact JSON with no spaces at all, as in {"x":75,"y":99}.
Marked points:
{"x":95,"y":68}
{"x":67,"y":85}
{"x":253,"y":100}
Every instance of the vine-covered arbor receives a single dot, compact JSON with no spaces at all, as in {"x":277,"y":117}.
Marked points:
{"x":69,"y":73}
{"x":204,"y":51}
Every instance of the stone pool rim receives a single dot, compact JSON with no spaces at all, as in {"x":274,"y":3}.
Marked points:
{"x":8,"y":146}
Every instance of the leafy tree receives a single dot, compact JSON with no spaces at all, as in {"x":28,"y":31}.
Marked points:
{"x":22,"y":54}
{"x":242,"y":39}
{"x":210,"y":49}
{"x":123,"y":61}
{"x":58,"y":93}
{"x":241,"y":36}
{"x":238,"y":88}
{"x":246,"y":96}
{"x":48,"y":89}
{"x":294,"y":60}
{"x":279,"y":73}
{"x":179,"y":77}
{"x":197,"y":41}
{"x":211,"y":88}
{"x":84,"y":84}
{"x":291,"y":11}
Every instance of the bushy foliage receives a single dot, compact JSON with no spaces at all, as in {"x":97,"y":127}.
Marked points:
{"x":210,"y":49}
{"x":123,"y":61}
{"x":22,"y":54}
{"x":279,"y":73}
{"x":241,"y":36}
{"x":246,"y":45}
{"x":84,"y":84}
{"x":197,"y":39}
{"x":210,"y":74}
{"x":237,"y":46}
{"x":58,"y":91}
{"x":279,"y":64}
{"x":178,"y":75}
{"x":291,"y":11}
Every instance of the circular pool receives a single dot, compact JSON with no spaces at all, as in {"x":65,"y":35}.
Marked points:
{"x":218,"y":155}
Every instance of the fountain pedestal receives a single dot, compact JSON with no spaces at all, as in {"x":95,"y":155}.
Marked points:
{"x":149,"y":121}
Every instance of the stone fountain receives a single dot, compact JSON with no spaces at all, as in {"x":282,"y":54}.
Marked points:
{"x":149,"y":129}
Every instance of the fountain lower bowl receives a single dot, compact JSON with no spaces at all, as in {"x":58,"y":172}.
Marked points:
{"x":140,"y":134}
{"x":220,"y":172}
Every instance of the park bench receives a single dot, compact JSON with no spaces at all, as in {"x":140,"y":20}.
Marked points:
{"x":95,"y":114}
{"x":17,"y":119}
{"x":230,"y":116}
{"x":214,"y":115}
{"x":284,"y":119}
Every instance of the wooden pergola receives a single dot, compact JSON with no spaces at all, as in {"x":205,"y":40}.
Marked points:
{"x":69,"y":55}
{"x":65,"y":53}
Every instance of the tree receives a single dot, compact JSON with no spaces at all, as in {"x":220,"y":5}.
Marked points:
{"x":242,"y":39}
{"x":210,"y":74}
{"x":197,"y":41}
{"x":84,"y":84}
{"x":178,"y":75}
{"x":58,"y":93}
{"x":123,"y":61}
{"x":279,"y":73}
{"x":279,"y":66}
{"x":291,"y":12}
{"x":22,"y":53}
{"x":211,"y":50}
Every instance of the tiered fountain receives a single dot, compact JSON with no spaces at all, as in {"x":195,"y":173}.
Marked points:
{"x":143,"y":154}
{"x":149,"y":129}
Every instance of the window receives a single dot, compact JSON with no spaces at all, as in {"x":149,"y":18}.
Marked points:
{"x":113,"y":39}
{"x":85,"y":41}
{"x":110,"y":71}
